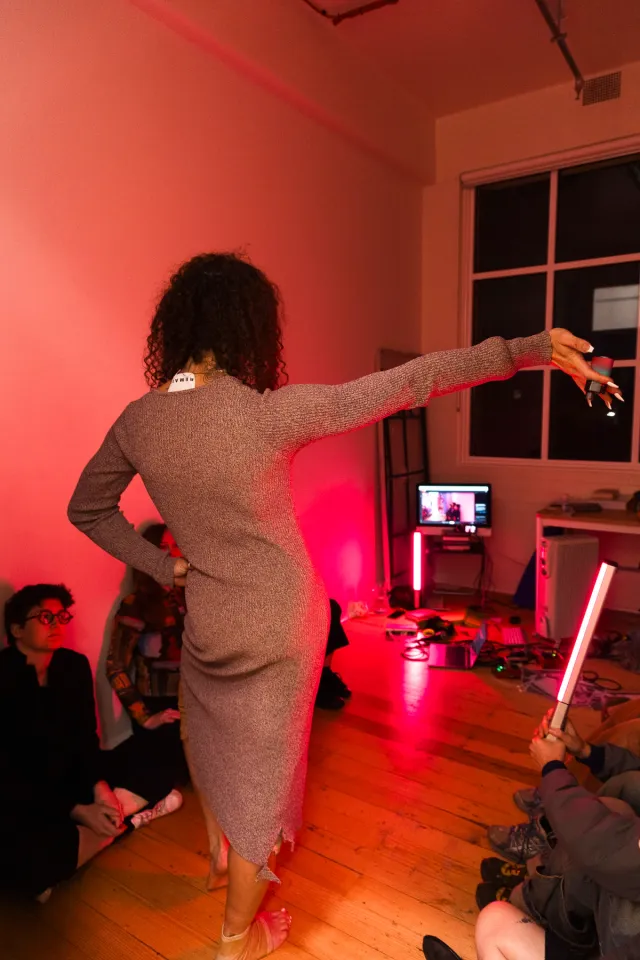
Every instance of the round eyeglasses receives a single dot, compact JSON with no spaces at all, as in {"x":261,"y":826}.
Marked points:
{"x":47,"y":618}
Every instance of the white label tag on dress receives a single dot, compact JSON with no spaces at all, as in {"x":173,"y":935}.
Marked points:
{"x":182,"y":381}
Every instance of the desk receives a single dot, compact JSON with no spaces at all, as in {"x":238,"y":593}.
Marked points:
{"x":561,"y":593}
{"x":606,"y":521}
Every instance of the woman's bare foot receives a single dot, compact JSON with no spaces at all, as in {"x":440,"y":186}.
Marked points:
{"x":267,"y":932}
{"x":219,"y":867}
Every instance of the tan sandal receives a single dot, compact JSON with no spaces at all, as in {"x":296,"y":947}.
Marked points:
{"x":258,"y":939}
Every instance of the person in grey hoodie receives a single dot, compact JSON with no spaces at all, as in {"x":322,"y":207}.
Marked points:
{"x":583,"y":901}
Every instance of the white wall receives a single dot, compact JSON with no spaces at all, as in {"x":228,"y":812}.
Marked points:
{"x":513,"y":130}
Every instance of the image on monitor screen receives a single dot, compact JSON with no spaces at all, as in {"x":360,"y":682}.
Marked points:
{"x":467,"y":505}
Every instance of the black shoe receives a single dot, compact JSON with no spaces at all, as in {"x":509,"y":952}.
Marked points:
{"x":493,"y":870}
{"x":334,"y":683}
{"x":328,"y":700}
{"x":434,"y":949}
{"x":489,"y":892}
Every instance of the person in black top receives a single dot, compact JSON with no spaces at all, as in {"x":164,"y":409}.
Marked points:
{"x":58,"y":805}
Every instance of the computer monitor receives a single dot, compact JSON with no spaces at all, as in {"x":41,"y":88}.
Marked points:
{"x":466,"y":505}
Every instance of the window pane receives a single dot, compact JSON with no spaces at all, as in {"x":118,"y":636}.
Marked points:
{"x":598,"y":210}
{"x":601,"y":305}
{"x":509,"y":306}
{"x":506,"y":417}
{"x":579,"y":433}
{"x":512,"y":223}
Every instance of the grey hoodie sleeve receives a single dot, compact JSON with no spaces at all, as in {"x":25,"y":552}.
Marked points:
{"x":605,"y":845}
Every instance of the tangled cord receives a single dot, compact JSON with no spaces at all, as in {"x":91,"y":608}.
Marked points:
{"x":533,"y":664}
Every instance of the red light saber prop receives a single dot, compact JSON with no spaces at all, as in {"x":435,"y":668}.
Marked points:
{"x":581,"y":646}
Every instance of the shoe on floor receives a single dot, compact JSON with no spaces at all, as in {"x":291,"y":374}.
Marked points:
{"x":434,"y":949}
{"x":334,"y":683}
{"x":328,"y":696}
{"x":328,"y":700}
{"x":169,"y":804}
{"x":519,"y":843}
{"x":529,"y":801}
{"x":487,"y":893}
{"x":493,"y":870}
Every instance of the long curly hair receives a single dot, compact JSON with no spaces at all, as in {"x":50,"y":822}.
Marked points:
{"x":218,"y":302}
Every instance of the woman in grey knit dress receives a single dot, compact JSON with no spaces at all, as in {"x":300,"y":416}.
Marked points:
{"x":216,"y":461}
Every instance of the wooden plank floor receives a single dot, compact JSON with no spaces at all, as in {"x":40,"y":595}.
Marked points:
{"x":402,"y":785}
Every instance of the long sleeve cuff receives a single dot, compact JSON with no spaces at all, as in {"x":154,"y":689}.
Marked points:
{"x":531,"y":351}
{"x":595,"y":760}
{"x":551,"y":766}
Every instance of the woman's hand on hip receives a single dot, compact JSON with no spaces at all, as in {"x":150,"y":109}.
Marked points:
{"x":567,"y":355}
{"x":181,"y":568}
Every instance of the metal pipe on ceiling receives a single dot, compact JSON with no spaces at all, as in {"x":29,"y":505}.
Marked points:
{"x":560,"y":38}
{"x":337,"y":18}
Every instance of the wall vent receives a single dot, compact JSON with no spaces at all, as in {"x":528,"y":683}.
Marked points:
{"x":606,"y":87}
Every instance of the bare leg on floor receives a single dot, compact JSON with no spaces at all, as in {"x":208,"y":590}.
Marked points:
{"x":91,"y":844}
{"x":504,"y":933}
{"x":245,"y":936}
{"x":131,"y":802}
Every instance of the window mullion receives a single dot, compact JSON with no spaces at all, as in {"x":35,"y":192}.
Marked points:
{"x":635,"y":422}
{"x":465,"y":310}
{"x":548,"y":313}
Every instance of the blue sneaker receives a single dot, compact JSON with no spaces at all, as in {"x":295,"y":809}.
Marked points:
{"x":520,"y":843}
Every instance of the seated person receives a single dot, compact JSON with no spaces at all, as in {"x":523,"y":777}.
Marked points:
{"x":143,"y":662}
{"x":453,"y":513}
{"x":62,"y":798}
{"x":620,"y":726}
{"x":583,"y":900}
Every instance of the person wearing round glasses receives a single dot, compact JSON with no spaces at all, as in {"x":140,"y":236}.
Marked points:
{"x":58,"y":807}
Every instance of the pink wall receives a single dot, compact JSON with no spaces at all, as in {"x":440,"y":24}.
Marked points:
{"x":301,"y":57}
{"x":125,"y":150}
{"x":512,"y":130}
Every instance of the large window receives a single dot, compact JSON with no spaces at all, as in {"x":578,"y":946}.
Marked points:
{"x":559,"y":248}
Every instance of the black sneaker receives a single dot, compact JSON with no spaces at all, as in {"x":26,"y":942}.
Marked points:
{"x":335,"y":683}
{"x":435,"y":949}
{"x":328,"y":700}
{"x":489,"y":892}
{"x":519,"y":843}
{"x":493,"y":870}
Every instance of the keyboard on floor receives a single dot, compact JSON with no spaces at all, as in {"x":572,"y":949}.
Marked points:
{"x":513,"y":637}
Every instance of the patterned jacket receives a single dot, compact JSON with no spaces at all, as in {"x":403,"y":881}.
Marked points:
{"x":144,"y":653}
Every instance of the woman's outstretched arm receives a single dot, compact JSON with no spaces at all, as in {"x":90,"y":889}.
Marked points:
{"x":296,"y":415}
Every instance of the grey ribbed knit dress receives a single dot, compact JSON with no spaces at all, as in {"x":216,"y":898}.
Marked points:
{"x":216,"y":462}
